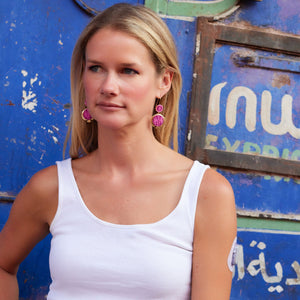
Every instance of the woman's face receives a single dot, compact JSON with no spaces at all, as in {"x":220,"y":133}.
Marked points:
{"x":120,"y":80}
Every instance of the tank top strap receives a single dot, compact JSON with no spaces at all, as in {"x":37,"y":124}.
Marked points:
{"x":65,"y":187}
{"x":64,"y":169}
{"x":191,"y":189}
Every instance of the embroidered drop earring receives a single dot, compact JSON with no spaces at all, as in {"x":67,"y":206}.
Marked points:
{"x":158,"y":118}
{"x":85,"y":114}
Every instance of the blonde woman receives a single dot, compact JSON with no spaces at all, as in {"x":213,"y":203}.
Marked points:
{"x":130,"y":217}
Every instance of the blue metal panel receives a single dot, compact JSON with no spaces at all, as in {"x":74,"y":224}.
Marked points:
{"x":265,"y":193}
{"x":38,"y":38}
{"x":184,"y":35}
{"x":255,"y":77}
{"x":278,"y":14}
{"x":267,"y":265}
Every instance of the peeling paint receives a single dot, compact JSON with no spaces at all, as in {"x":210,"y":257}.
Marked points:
{"x":55,"y":139}
{"x":24,"y":73}
{"x":280,"y":80}
{"x":198,"y":39}
{"x":29,"y":98}
{"x":60,"y":41}
{"x":33,"y":80}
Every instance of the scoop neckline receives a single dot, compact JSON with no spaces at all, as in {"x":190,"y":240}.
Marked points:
{"x":129,"y":226}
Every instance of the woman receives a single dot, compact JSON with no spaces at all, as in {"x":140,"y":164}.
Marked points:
{"x":130,"y":217}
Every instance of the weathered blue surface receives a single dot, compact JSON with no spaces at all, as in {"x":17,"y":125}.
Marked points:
{"x":256,"y":84}
{"x":265,"y":193}
{"x":184,"y":35}
{"x":232,"y":130}
{"x":267,"y":266}
{"x":37,"y":46}
{"x":282,"y":15}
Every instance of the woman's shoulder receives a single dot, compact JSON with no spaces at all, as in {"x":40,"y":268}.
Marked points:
{"x":44,"y":180}
{"x":40,"y":194}
{"x":215,"y":189}
{"x":216,"y":203}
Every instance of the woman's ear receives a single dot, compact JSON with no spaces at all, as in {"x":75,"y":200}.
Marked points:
{"x":165,"y":83}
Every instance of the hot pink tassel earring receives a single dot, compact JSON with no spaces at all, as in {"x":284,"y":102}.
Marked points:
{"x":85,"y":114}
{"x":158,"y":119}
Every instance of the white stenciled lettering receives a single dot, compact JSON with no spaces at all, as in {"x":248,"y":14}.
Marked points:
{"x":286,"y":124}
{"x":294,"y":281}
{"x":251,"y":104}
{"x":214,"y":104}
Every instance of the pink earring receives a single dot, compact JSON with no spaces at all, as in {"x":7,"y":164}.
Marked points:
{"x":158,"y":119}
{"x":85,"y":114}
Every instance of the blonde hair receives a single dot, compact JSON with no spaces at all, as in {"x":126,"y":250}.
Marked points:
{"x":148,"y":28}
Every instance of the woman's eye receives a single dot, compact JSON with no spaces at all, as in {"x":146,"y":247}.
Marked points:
{"x":95,"y":69}
{"x":129,"y":71}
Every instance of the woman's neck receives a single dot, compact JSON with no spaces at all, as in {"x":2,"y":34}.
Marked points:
{"x":126,"y":150}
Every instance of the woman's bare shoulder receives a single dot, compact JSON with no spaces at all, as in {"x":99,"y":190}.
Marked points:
{"x":216,"y":203}
{"x":215,"y":231}
{"x":215,"y":188}
{"x":40,"y":194}
{"x":44,"y":181}
{"x":29,"y":218}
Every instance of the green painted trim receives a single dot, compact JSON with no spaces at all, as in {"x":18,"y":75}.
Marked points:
{"x":186,"y":9}
{"x":256,"y":223}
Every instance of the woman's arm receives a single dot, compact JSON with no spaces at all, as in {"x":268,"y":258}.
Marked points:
{"x":215,"y":231}
{"x":28,"y":223}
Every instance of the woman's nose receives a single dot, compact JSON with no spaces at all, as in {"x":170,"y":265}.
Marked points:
{"x":109,"y":85}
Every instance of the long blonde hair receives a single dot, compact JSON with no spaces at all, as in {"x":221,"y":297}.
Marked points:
{"x":148,"y":28}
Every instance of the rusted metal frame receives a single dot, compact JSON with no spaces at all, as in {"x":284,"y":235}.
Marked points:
{"x":208,"y":35}
{"x":257,"y":39}
{"x":247,"y":162}
{"x":201,"y":88}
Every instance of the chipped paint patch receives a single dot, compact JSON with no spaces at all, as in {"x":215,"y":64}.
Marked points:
{"x":60,"y":41}
{"x":198,"y":40}
{"x":29,"y":98}
{"x":24,"y":73}
{"x":33,"y":80}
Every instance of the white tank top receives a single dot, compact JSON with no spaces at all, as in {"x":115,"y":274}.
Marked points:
{"x":91,"y":259}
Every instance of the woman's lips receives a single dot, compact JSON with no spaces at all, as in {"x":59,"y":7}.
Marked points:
{"x":110,"y":105}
